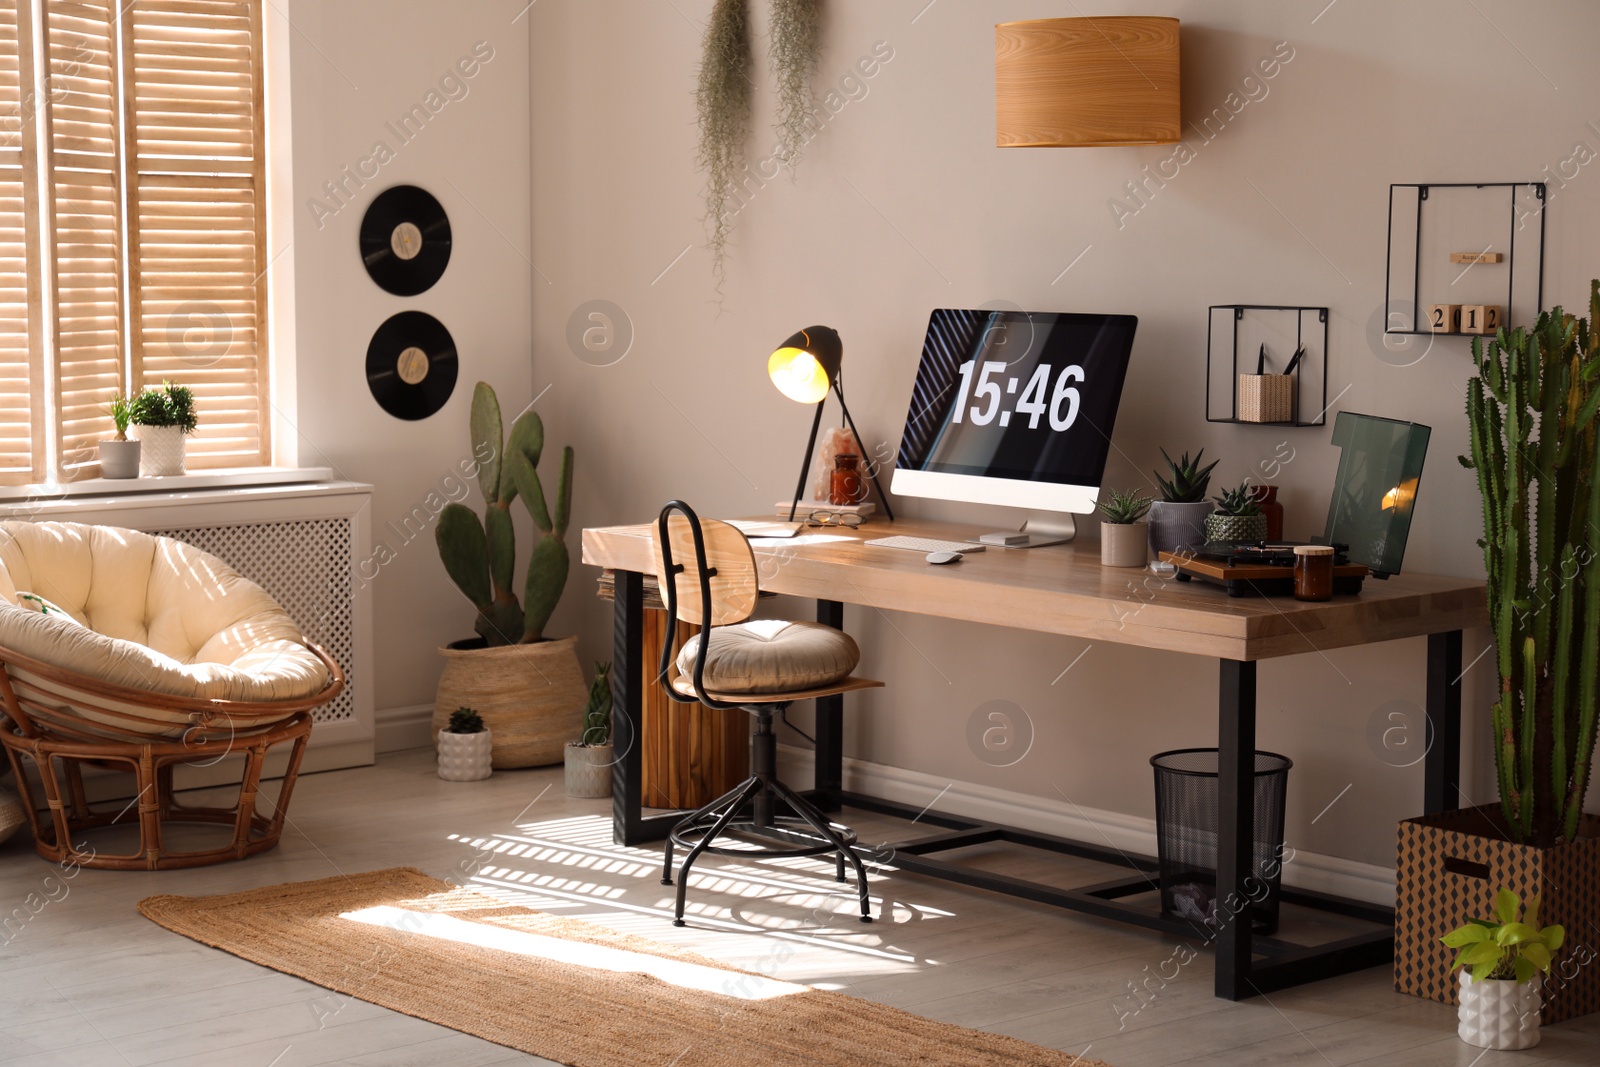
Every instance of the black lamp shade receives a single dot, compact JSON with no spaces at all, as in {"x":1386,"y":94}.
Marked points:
{"x":804,"y":366}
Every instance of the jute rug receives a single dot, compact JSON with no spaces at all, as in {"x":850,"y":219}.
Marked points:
{"x":560,"y":988}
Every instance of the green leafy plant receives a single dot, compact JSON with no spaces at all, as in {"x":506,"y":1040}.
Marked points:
{"x":480,"y":556}
{"x":1188,"y":480}
{"x":163,"y":405}
{"x":1510,"y":946}
{"x":121,"y":411}
{"x":465,"y":721}
{"x":1122,"y":508}
{"x":597,"y":713}
{"x":1536,"y":451}
{"x":723,"y":101}
{"x":1239,"y":502}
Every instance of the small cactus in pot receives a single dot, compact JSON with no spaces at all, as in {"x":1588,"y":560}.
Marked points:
{"x":1178,"y":518}
{"x":1123,"y":537}
{"x":465,"y":746}
{"x":1238,"y":516}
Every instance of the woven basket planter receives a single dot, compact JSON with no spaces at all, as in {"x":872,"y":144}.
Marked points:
{"x":530,"y":696}
{"x":1449,"y":867}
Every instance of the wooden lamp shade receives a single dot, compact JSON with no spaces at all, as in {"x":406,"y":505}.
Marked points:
{"x":1080,"y":82}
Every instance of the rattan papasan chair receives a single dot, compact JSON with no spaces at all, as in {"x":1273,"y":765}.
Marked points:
{"x":136,"y":653}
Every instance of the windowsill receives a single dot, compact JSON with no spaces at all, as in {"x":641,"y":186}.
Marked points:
{"x":220,"y":478}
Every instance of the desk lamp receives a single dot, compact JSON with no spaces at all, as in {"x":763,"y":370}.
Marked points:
{"x":804,"y":368}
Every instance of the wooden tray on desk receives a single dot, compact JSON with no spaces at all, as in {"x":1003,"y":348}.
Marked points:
{"x":1243,"y":579}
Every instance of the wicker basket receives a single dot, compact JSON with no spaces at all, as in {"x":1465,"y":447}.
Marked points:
{"x":1266,"y":398}
{"x":530,"y":696}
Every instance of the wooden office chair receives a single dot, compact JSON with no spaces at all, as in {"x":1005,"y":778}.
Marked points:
{"x":707,"y":573}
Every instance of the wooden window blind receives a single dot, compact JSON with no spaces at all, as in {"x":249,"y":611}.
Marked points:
{"x":22,"y":423}
{"x":150,"y":126}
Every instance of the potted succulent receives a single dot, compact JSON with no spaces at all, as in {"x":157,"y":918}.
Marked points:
{"x":1178,"y":518}
{"x":162,"y":417}
{"x":119,"y":457}
{"x":589,"y":758}
{"x":1502,"y":962}
{"x":465,"y":746}
{"x":527,"y":687}
{"x":1237,"y":517}
{"x":1124,"y":541}
{"x":1535,"y":448}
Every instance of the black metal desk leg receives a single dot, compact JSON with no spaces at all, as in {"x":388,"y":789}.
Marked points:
{"x":829,"y":768}
{"x":1236,"y":765}
{"x":1442,"y":766}
{"x":627,"y":688}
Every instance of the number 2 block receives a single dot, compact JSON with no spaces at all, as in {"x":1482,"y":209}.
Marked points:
{"x":1444,"y":318}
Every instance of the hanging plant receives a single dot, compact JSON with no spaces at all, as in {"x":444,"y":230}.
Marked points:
{"x":796,"y":38}
{"x":724,"y":104}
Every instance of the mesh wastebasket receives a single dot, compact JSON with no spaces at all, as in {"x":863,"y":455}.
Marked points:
{"x":1186,"y":834}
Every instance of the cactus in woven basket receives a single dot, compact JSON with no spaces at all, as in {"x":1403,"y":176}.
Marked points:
{"x":1238,"y":516}
{"x":1123,"y":507}
{"x":1531,"y":411}
{"x":480,"y":556}
{"x":1188,"y":480}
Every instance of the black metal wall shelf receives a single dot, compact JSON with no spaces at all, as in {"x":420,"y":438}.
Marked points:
{"x":1316,"y":355}
{"x":1403,"y":310}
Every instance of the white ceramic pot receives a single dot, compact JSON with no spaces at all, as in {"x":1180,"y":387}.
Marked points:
{"x":466,"y":757}
{"x":161,"y":450}
{"x":1499,"y":1014}
{"x":1124,"y":544}
{"x":1172,"y":525}
{"x":119,"y":459}
{"x":589,"y":770}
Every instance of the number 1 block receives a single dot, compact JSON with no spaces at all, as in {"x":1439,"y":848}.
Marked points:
{"x":1480,"y":318}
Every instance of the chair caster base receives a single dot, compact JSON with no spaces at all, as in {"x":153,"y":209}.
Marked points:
{"x":678,"y":922}
{"x":866,"y":918}
{"x":666,"y":881}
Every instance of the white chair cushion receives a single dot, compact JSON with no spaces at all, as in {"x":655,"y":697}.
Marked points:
{"x":772,"y":656}
{"x":158,"y":615}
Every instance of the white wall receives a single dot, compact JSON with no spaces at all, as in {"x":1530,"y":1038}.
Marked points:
{"x":357,"y":67}
{"x":903,"y":204}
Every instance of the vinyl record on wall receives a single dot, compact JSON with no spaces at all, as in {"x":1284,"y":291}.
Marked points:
{"x":405,"y":240}
{"x":411,"y":365}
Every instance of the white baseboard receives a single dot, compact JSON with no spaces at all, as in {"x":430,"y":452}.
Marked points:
{"x":1046,"y":815}
{"x":404,"y":728}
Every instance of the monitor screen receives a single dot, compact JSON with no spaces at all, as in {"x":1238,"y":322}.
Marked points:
{"x":1019,"y":397}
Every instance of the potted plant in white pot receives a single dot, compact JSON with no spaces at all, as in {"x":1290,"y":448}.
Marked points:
{"x":1502,"y":961}
{"x":1124,"y":540}
{"x":1535,"y":447}
{"x":1179,"y":517}
{"x":589,"y":758}
{"x":465,"y":748}
{"x":528,"y":688}
{"x":1237,"y":517}
{"x":119,"y":457}
{"x":162,"y":417}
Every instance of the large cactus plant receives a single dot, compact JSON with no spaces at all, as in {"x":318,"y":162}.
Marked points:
{"x":480,"y":557}
{"x":1536,"y":451}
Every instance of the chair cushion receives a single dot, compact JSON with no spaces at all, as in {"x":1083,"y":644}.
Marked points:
{"x":772,"y":656}
{"x":156,"y":614}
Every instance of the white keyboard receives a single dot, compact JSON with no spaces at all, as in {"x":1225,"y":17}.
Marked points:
{"x":924,"y":544}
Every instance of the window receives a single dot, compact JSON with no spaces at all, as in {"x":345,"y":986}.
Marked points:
{"x":132,"y":225}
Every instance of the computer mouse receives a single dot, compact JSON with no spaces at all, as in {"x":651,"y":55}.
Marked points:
{"x":944,"y":557}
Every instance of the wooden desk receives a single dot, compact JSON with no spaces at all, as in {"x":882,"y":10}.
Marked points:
{"x":1064,"y":590}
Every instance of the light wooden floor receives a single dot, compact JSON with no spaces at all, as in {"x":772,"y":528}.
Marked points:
{"x":86,"y":981}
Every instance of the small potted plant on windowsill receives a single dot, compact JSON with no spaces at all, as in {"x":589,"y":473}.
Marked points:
{"x":465,"y":747}
{"x":1178,"y":518}
{"x":589,"y":759}
{"x":163,"y":416}
{"x":1501,"y":963}
{"x":1237,"y":518}
{"x":119,"y":457}
{"x":1124,"y":540}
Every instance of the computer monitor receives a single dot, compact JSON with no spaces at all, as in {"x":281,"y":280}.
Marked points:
{"x":1016,"y":408}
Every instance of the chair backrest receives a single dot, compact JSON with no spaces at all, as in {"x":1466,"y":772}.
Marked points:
{"x":705,"y":568}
